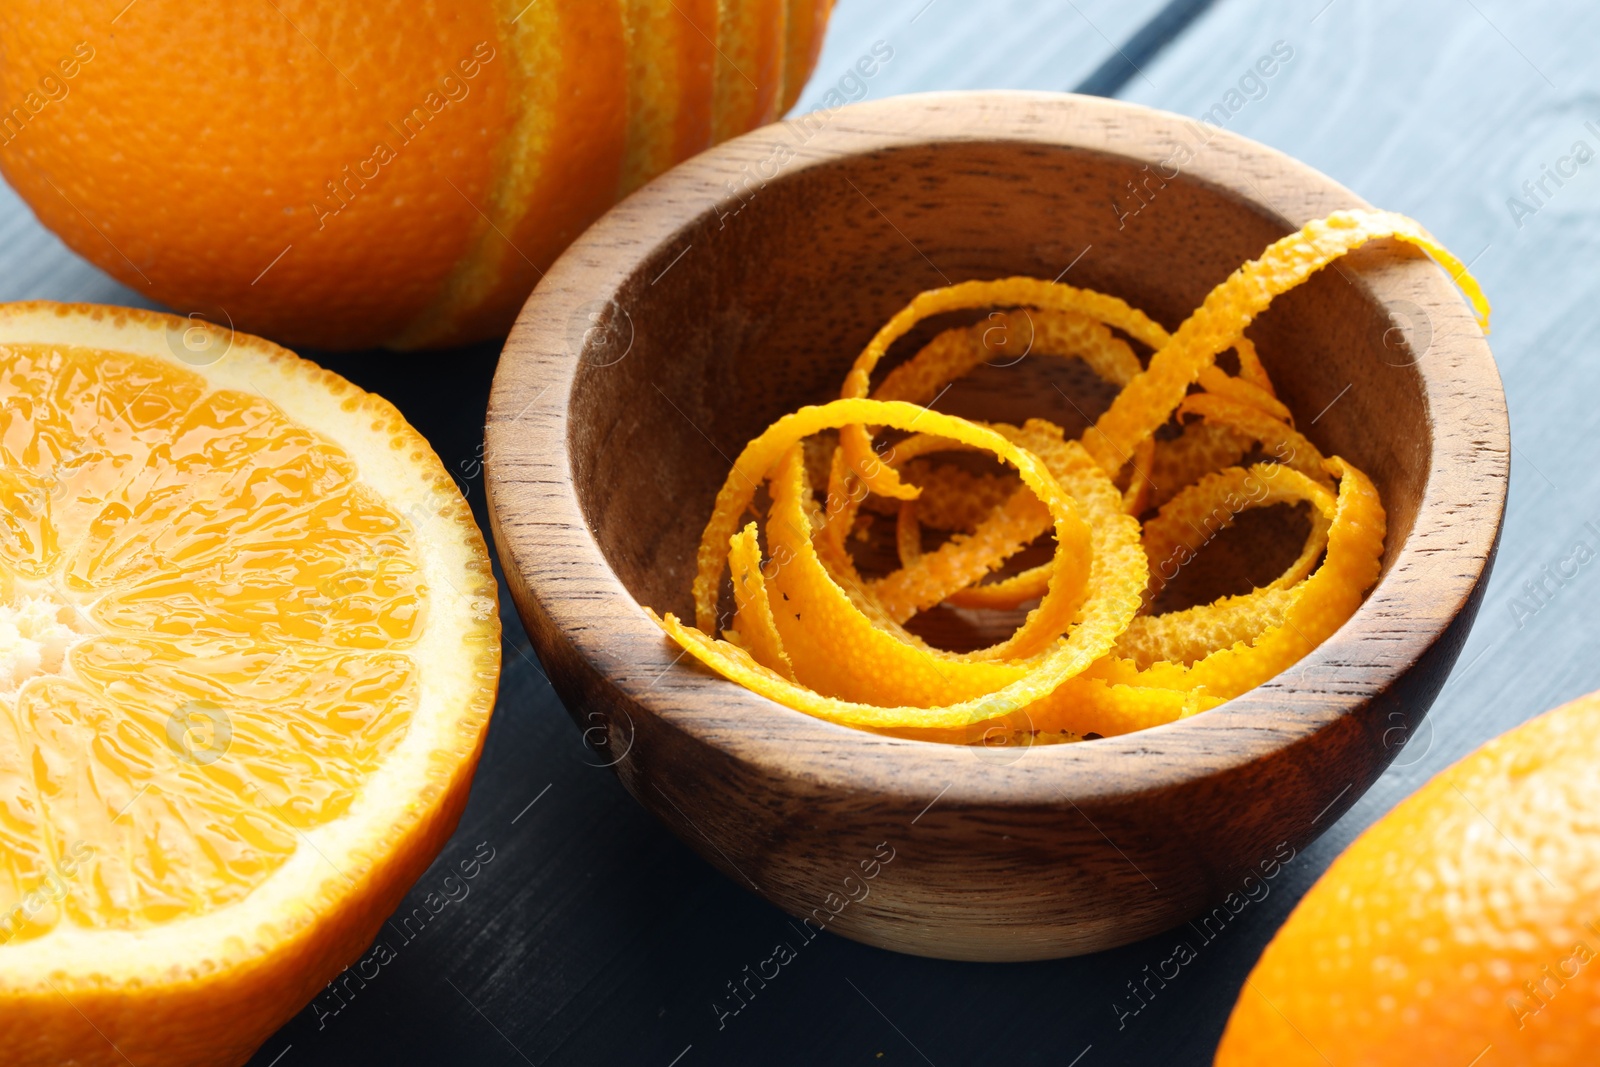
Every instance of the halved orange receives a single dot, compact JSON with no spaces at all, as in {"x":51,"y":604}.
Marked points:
{"x":249,"y":646}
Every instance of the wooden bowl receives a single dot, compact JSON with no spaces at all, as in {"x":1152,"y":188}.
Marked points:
{"x":742,"y":284}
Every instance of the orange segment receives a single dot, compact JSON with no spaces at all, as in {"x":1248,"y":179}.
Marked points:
{"x":248,"y":649}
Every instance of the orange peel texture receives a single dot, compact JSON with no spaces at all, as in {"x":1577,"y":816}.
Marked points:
{"x":811,"y":631}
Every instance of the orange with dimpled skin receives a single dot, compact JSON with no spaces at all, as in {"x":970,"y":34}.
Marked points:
{"x":374,"y":172}
{"x":1461,"y":928}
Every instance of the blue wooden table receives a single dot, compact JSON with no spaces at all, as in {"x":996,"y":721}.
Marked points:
{"x":591,"y":936}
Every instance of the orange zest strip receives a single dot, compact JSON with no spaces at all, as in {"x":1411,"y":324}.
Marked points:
{"x":1066,"y":461}
{"x":908,"y":534}
{"x":835,"y":648}
{"x":1183,"y":526}
{"x":1182,"y":637}
{"x":1022,"y":292}
{"x":956,"y":499}
{"x":1150,"y":398}
{"x":1216,"y":381}
{"x":810,"y":632}
{"x":1092,"y":705}
{"x":847,"y":491}
{"x":1173,"y":538}
{"x":1250,"y":368}
{"x":1136,"y":498}
{"x":1117,"y":574}
{"x":1003,"y":336}
{"x":1279,"y":440}
{"x":1201,"y":447}
{"x":759,"y":456}
{"x":962,"y":560}
{"x":1326,"y":599}
{"x":754,"y":627}
{"x":1080,"y":706}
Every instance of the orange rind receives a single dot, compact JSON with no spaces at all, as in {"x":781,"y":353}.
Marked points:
{"x":811,"y":631}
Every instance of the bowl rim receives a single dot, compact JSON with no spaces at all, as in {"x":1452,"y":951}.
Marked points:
{"x":552,"y":556}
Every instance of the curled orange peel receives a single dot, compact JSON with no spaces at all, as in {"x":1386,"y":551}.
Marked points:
{"x":1218,"y":324}
{"x":1022,"y":332}
{"x":1071,"y":466}
{"x":1184,"y":636}
{"x":1117,"y":574}
{"x":1250,"y":367}
{"x":1136,"y":497}
{"x":1070,"y":463}
{"x":1215,"y":380}
{"x":811,"y":632}
{"x":1175,"y":536}
{"x":956,"y":352}
{"x":1177,"y":533}
{"x":834,"y":646}
{"x":1184,"y":524}
{"x":948,"y":356}
{"x":760,"y":455}
{"x":953,"y":498}
{"x":857,"y":660}
{"x":1277,"y":439}
{"x":1324,"y":602}
{"x":856,"y":441}
{"x":930,"y":578}
{"x":1200,"y":448}
{"x":755,"y":629}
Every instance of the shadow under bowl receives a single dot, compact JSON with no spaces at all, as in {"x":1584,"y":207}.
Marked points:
{"x":743,"y":283}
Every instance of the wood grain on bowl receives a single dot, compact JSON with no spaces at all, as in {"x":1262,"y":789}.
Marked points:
{"x":743,"y":283}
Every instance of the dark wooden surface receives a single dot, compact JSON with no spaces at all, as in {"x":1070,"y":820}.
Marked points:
{"x":594,"y":937}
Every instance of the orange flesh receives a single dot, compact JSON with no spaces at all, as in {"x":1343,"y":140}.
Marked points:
{"x":182,"y":569}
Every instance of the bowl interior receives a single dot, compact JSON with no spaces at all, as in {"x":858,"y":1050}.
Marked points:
{"x":762,"y":302}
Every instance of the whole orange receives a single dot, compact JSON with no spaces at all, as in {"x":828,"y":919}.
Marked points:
{"x":373,"y":171}
{"x":1463,"y":928}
